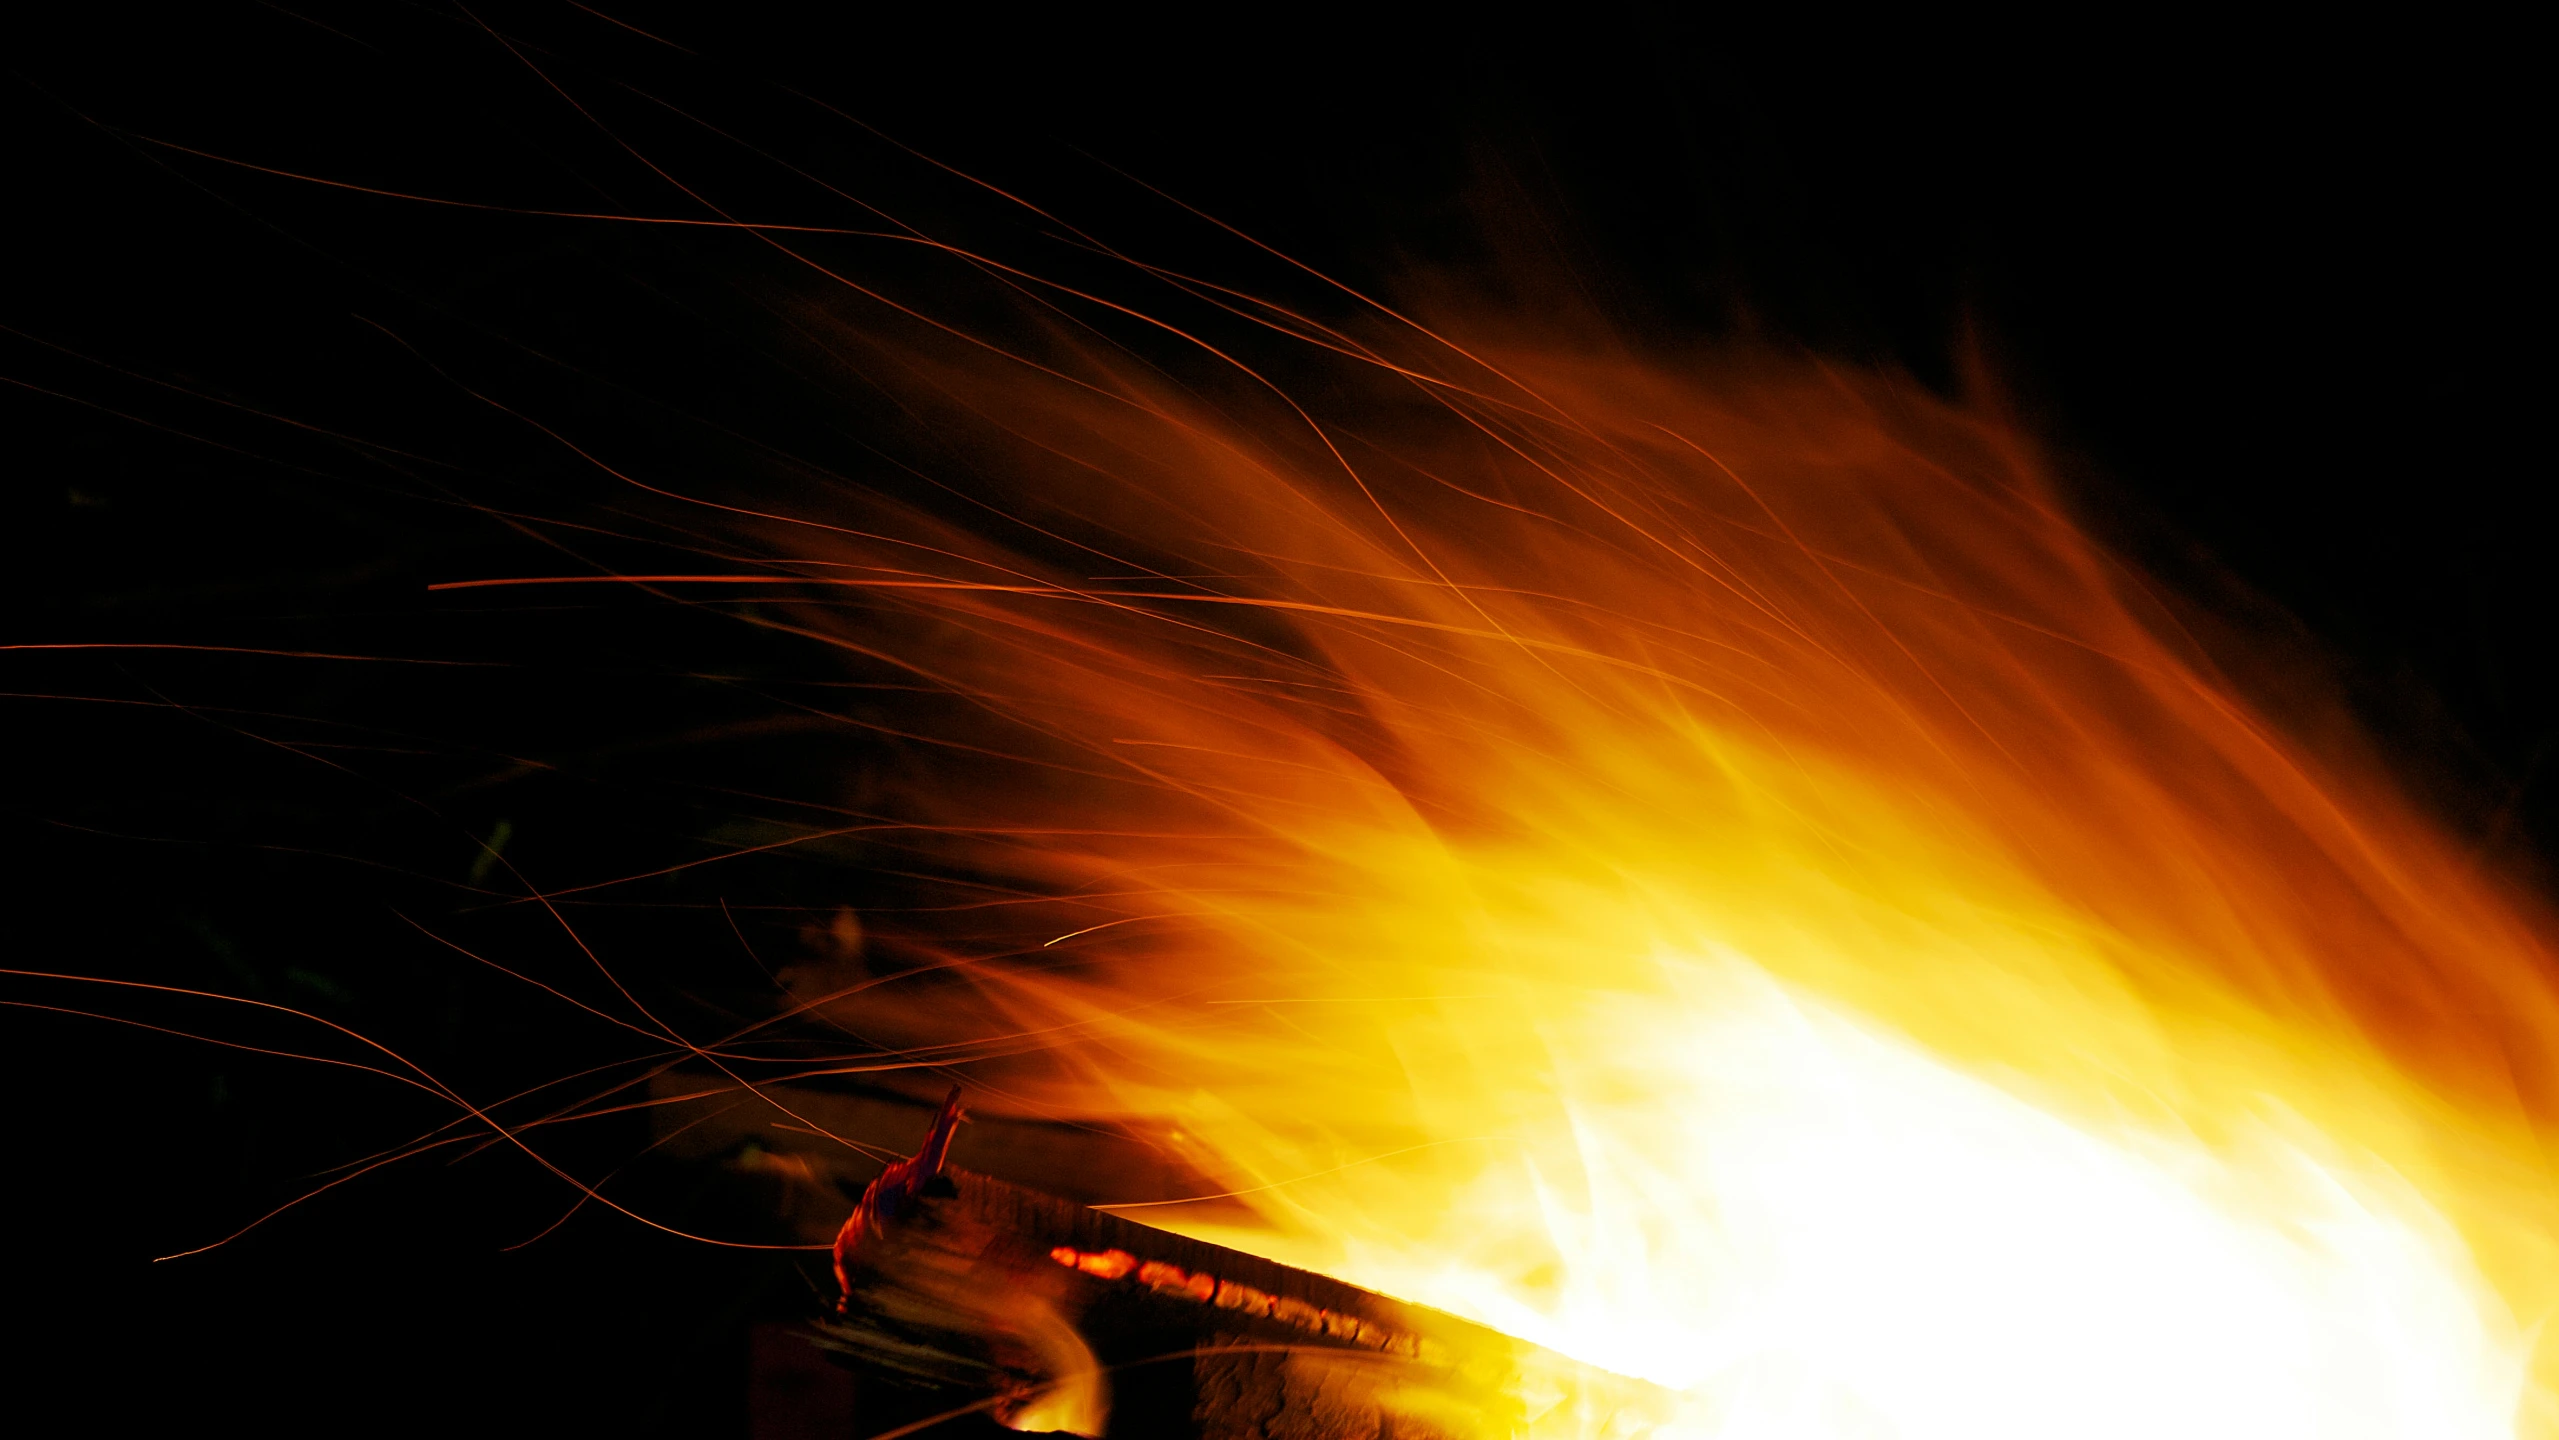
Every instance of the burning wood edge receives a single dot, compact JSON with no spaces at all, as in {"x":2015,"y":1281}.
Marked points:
{"x":1207,"y":1289}
{"x":966,"y":1293}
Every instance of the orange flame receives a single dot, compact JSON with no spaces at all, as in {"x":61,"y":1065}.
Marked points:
{"x":1705,"y":867}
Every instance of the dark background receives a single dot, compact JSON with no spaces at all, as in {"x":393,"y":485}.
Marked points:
{"x":2276,"y":294}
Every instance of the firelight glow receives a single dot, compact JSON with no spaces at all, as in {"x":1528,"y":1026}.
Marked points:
{"x":1831,"y":1234}
{"x":1707,"y":868}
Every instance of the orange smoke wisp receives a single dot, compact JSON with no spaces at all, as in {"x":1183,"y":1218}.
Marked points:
{"x":1707,"y":868}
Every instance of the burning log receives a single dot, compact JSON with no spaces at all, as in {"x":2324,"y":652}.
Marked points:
{"x":899,"y":1186}
{"x":969,"y":1294}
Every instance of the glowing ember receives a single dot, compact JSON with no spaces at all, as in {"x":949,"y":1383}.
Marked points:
{"x":1166,"y":1279}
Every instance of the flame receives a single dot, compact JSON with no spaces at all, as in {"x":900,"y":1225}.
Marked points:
{"x":1703,"y":866}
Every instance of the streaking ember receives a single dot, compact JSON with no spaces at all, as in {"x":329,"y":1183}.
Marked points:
{"x":1701,"y":865}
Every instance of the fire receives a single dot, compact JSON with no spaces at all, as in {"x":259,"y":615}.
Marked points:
{"x":1705,"y":867}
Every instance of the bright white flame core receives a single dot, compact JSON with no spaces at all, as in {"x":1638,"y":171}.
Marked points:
{"x":1817,"y":1230}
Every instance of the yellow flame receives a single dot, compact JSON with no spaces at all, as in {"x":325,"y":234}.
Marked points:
{"x":1708,"y":870}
